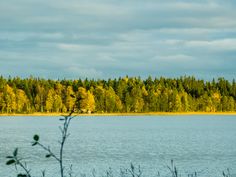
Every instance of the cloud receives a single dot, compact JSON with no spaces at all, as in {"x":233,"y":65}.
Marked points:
{"x":83,"y":72}
{"x":173,"y":58}
{"x":114,"y":15}
{"x":21,"y":36}
{"x":215,"y":45}
{"x":111,"y":38}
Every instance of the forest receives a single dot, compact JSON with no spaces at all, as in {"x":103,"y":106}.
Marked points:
{"x":119,"y":95}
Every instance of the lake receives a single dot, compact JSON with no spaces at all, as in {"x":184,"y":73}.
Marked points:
{"x":205,"y":144}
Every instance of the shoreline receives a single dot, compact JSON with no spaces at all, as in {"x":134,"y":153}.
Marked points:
{"x":125,"y":114}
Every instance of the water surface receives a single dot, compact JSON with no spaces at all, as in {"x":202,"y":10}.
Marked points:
{"x":206,"y":144}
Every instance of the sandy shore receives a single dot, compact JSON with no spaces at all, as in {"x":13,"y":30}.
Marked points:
{"x":126,"y":114}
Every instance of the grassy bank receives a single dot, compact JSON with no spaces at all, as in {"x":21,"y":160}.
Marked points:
{"x":125,"y":114}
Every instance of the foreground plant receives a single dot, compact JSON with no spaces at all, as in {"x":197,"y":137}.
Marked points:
{"x":226,"y":173}
{"x":64,"y":136}
{"x":15,"y":160}
{"x":18,"y":162}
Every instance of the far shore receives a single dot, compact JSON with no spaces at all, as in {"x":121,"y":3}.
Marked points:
{"x":124,"y":114}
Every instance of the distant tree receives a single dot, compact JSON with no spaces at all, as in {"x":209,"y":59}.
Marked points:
{"x":86,"y":100}
{"x":152,"y":101}
{"x":231,"y":103}
{"x":137,"y":99}
{"x":164,"y":99}
{"x":22,"y":102}
{"x":177,"y":103}
{"x":69,"y":100}
{"x":112,"y":101}
{"x":2,"y":103}
{"x":9,"y":99}
{"x":57,"y":103}
{"x":127,"y":94}
{"x":99,"y":97}
{"x":40,"y":98}
{"x":185,"y":102}
{"x":50,"y":100}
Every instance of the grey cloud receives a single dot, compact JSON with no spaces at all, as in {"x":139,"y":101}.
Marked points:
{"x":110,"y":38}
{"x":126,"y":15}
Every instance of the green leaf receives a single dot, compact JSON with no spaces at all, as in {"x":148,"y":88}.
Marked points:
{"x":21,"y":175}
{"x":9,"y":162}
{"x":9,"y":157}
{"x":15,"y":152}
{"x":48,"y":155}
{"x":36,"y":137}
{"x":34,"y":143}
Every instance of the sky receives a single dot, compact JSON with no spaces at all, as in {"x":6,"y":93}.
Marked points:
{"x":101,"y":39}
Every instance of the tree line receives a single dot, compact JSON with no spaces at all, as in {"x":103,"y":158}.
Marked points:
{"x":127,"y":94}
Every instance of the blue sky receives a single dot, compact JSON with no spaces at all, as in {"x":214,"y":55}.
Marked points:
{"x":112,"y":38}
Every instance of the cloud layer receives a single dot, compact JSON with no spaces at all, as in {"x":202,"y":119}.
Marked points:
{"x":111,"y":38}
